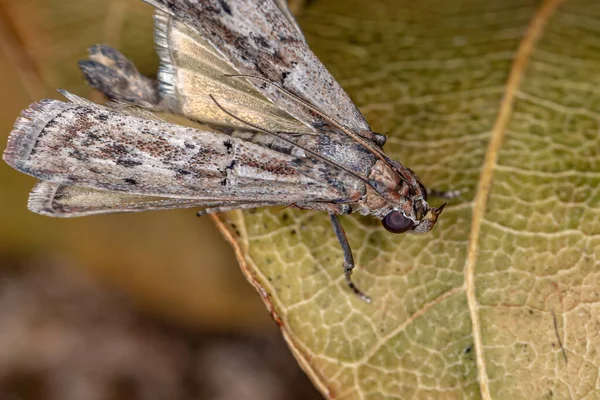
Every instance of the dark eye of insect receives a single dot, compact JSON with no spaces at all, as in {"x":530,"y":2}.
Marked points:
{"x":395,"y":222}
{"x":424,"y":191}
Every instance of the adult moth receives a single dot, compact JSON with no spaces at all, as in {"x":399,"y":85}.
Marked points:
{"x":243,"y":115}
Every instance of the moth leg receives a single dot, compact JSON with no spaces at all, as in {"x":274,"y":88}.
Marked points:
{"x":244,"y":206}
{"x":348,"y":258}
{"x":448,"y":195}
{"x":114,"y":75}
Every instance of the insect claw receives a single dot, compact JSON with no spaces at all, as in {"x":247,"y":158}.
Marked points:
{"x":355,"y":289}
{"x":348,"y":259}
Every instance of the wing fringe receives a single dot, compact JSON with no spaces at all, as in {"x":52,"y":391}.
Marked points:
{"x":27,"y":129}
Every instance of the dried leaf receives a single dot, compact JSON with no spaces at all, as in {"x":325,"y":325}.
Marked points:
{"x":498,"y":99}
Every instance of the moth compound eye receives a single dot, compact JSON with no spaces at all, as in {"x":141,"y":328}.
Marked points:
{"x":395,"y":222}
{"x":424,"y":191}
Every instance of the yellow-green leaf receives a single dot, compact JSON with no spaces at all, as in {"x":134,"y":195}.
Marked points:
{"x":498,"y":99}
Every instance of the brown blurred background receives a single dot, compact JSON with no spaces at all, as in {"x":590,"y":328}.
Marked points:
{"x":126,"y":306}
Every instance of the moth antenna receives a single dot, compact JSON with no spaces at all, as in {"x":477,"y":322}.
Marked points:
{"x":288,"y":206}
{"x":447,"y":195}
{"x":314,"y":109}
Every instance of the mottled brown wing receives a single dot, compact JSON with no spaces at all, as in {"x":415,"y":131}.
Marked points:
{"x":191,"y":70}
{"x":67,"y":201}
{"x":85,"y":145}
{"x":56,"y":200}
{"x":251,"y":37}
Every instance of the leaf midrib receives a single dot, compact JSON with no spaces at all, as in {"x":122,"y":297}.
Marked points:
{"x":523,"y":55}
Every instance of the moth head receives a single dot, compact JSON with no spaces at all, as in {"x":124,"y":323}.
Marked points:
{"x":420,"y":219}
{"x":414,"y":215}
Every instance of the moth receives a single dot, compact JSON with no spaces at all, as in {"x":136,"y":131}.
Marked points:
{"x":242,"y":115}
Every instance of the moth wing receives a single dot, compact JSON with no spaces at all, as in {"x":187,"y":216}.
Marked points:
{"x":91,"y":146}
{"x":56,"y":200}
{"x":285,"y":10}
{"x":257,"y":38}
{"x":191,"y":70}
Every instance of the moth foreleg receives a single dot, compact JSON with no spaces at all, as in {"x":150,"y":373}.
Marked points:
{"x":114,"y":75}
{"x":348,"y":258}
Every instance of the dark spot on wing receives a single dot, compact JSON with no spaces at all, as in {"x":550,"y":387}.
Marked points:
{"x":130,"y":181}
{"x":277,"y":56}
{"x":259,"y":69}
{"x":102,"y":117}
{"x":324,"y":140}
{"x":260,"y":40}
{"x":359,"y":148}
{"x":228,"y":146}
{"x":90,"y":139}
{"x":51,"y":124}
{"x":128,"y":162}
{"x":78,"y":155}
{"x":225,"y":7}
{"x":240,"y":43}
{"x":180,"y":171}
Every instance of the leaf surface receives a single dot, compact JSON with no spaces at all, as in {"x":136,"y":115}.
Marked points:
{"x":500,"y":100}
